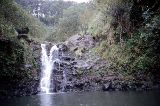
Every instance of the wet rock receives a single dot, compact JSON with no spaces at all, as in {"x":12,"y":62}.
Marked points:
{"x":79,"y":85}
{"x":67,"y":58}
{"x":63,"y":47}
{"x":81,"y":64}
{"x":107,"y":86}
{"x":28,"y":66}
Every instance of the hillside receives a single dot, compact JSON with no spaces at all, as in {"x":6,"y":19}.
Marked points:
{"x":17,"y":59}
{"x":128,"y":32}
{"x":12,"y":17}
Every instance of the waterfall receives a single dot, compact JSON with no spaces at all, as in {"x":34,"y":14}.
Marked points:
{"x":48,"y":66}
{"x":64,"y":81}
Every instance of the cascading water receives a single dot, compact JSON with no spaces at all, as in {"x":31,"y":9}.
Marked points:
{"x":48,"y":66}
{"x":64,"y":81}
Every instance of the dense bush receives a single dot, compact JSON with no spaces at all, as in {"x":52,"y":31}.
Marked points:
{"x":134,"y":48}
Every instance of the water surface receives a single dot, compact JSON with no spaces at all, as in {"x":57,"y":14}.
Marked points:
{"x":151,"y":98}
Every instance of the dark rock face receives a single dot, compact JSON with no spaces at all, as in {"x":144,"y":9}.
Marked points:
{"x":77,"y":68}
{"x":89,"y":72}
{"x":107,"y":86}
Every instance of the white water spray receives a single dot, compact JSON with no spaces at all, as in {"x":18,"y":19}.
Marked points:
{"x":64,"y":81}
{"x":47,"y":67}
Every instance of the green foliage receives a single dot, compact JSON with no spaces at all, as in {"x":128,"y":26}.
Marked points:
{"x":135,"y":49}
{"x":96,"y":25}
{"x":15,"y":54}
{"x":69,"y":24}
{"x":12,"y":58}
{"x":12,"y":16}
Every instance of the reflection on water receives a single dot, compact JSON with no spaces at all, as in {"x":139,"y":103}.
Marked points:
{"x":88,"y":99}
{"x":46,"y":100}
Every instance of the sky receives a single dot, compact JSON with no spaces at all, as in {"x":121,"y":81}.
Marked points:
{"x":79,"y":1}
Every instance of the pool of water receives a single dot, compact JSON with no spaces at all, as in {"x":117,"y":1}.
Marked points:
{"x":151,"y":98}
